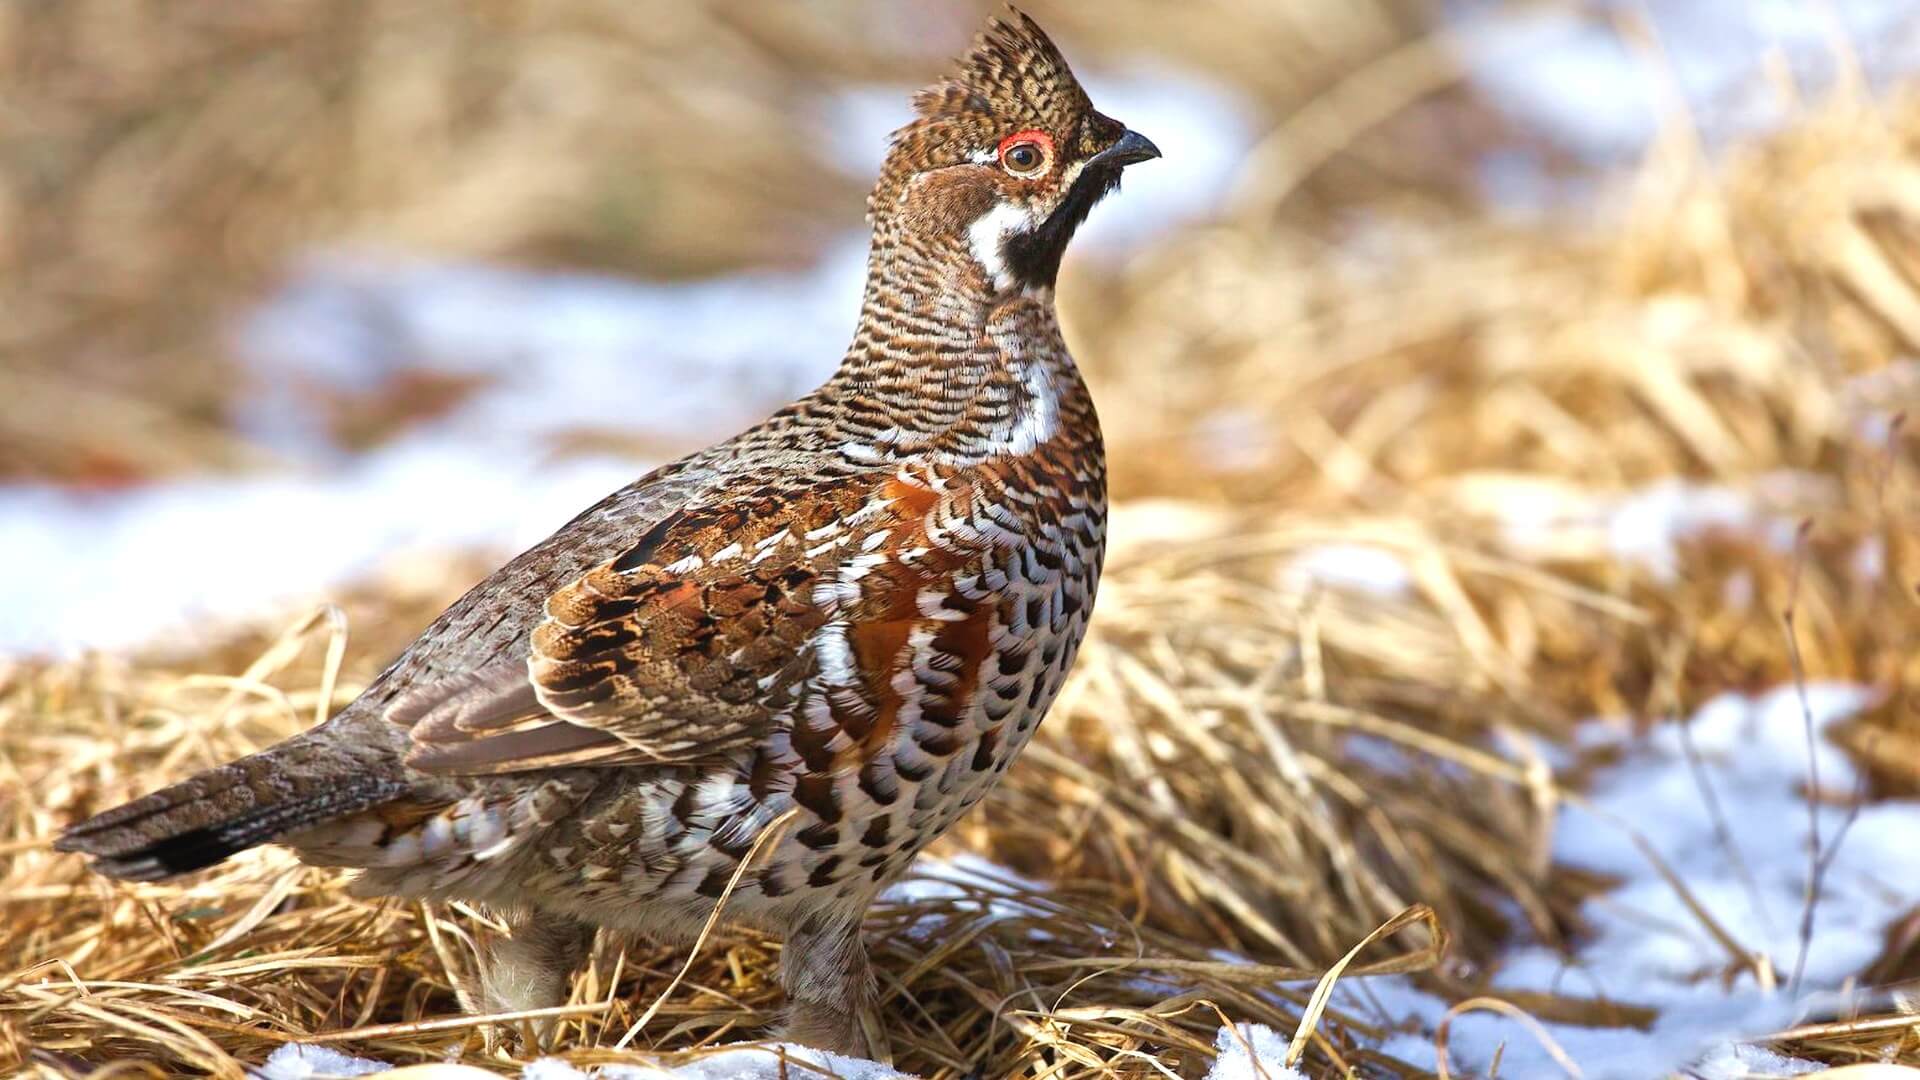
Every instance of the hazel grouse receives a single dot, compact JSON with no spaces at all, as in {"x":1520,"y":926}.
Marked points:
{"x":855,"y":613}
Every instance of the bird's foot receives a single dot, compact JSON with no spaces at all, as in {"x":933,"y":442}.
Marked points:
{"x":528,"y":969}
{"x":855,"y":1033}
{"x":831,"y":1000}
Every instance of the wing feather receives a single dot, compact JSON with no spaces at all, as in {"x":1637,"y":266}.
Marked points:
{"x":658,"y":655}
{"x":685,"y":648}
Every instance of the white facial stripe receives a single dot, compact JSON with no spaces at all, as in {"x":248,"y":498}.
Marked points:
{"x":984,"y":157}
{"x":989,"y":234}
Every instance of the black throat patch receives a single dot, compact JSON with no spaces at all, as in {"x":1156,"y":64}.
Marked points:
{"x":1033,"y":258}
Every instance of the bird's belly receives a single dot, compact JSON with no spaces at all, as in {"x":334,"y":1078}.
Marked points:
{"x":858,"y":827}
{"x":651,"y":844}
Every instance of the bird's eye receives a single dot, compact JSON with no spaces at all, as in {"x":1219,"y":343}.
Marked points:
{"x":1026,"y":154}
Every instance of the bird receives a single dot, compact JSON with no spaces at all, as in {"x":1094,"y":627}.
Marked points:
{"x":826,"y":637}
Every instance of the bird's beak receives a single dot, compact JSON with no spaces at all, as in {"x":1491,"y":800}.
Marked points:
{"x":1132,"y":148}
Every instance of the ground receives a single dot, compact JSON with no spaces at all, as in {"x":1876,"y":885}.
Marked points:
{"x":1531,"y":570}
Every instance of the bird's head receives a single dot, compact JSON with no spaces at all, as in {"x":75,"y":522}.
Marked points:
{"x":1005,"y":159}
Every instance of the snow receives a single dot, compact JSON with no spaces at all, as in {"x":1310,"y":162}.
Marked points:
{"x":1251,"y":1052}
{"x":1739,"y":1062}
{"x":964,"y":876}
{"x":1363,"y":568}
{"x":1381,"y":755}
{"x":970,"y":883}
{"x":778,"y":1061}
{"x":1646,"y":526}
{"x":561,"y":351}
{"x":1642,"y":946}
{"x":1547,"y":520}
{"x":747,"y":1061}
{"x":120,"y":569}
{"x":1236,"y":438}
{"x":1757,"y":761}
{"x":1570,"y":73}
{"x":558,"y":354}
{"x":758,"y":1061}
{"x":296,"y":1062}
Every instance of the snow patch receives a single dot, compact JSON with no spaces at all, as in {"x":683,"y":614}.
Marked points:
{"x":1643,"y":946}
{"x":1251,"y":1052}
{"x":759,"y":1061}
{"x":1740,"y":1062}
{"x":558,"y":351}
{"x":747,"y":1061}
{"x":1566,"y":69}
{"x":1363,"y":568}
{"x":1755,"y":759}
{"x":296,"y":1062}
{"x":1548,"y":520}
{"x":557,"y":354}
{"x":117,"y":570}
{"x":971,"y":884}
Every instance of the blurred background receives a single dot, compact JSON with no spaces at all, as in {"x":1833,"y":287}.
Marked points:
{"x":1487,"y":385}
{"x":294,"y":288}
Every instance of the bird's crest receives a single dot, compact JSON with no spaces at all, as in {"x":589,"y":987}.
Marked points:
{"x":1012,"y":79}
{"x":1013,"y":72}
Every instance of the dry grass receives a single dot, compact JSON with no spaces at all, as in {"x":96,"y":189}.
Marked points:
{"x":1211,"y":778}
{"x":263,"y":951}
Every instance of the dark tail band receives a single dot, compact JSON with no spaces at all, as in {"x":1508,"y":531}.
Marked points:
{"x":196,"y":823}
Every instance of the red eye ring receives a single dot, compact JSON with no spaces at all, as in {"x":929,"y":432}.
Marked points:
{"x":1031,"y":138}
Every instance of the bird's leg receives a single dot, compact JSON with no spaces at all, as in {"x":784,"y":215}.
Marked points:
{"x":830,"y":988}
{"x":529,"y":968}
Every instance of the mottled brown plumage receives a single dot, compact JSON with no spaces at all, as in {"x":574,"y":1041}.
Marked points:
{"x":851,"y":616}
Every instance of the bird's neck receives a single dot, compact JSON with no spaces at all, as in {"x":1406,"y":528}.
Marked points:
{"x":942,"y":360}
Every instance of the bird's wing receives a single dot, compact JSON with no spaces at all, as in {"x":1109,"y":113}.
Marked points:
{"x":685,"y":648}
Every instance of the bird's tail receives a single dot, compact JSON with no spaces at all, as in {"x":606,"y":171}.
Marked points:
{"x":305,"y":781}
